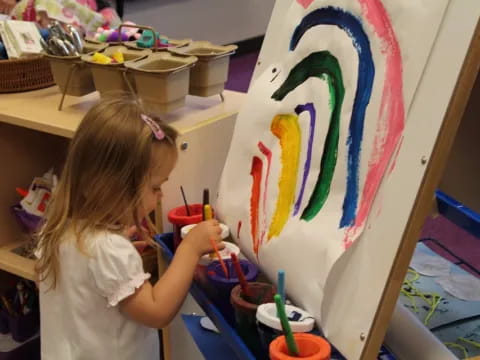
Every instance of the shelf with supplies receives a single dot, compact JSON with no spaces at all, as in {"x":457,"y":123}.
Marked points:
{"x":34,"y":137}
{"x":37,"y":110}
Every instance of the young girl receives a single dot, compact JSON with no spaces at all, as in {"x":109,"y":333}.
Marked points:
{"x":95,"y":300}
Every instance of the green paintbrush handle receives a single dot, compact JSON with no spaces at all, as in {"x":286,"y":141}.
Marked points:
{"x":291,"y":344}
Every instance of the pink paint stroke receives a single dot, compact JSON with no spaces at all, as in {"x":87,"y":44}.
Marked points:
{"x":391,"y":107}
{"x":394,"y":160}
{"x":305,"y":3}
{"x":268,"y":154}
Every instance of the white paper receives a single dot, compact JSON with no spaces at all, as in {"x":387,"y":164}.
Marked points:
{"x":430,"y":265}
{"x":462,"y":286}
{"x":307,"y":249}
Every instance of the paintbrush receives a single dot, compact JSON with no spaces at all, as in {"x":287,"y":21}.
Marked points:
{"x":241,"y":277}
{"x":290,"y":340}
{"x":222,"y":263}
{"x":185,"y":201}
{"x":206,"y":201}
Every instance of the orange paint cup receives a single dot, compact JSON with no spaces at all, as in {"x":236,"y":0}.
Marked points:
{"x":310,"y":347}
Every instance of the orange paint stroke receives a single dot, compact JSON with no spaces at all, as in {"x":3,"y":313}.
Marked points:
{"x":239,"y":227}
{"x":256,"y":173}
{"x":286,"y":128}
{"x":268,"y":154}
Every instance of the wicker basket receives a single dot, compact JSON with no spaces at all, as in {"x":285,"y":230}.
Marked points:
{"x":25,"y":74}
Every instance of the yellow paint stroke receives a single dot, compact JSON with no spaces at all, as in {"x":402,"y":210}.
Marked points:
{"x":286,"y":128}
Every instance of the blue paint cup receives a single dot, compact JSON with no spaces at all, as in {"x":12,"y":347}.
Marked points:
{"x":219,"y":286}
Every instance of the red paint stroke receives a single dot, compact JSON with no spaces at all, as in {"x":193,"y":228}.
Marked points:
{"x":268,"y":154}
{"x":394,"y":160}
{"x":256,"y":173}
{"x":239,"y":227}
{"x":305,"y":3}
{"x":391,"y":119}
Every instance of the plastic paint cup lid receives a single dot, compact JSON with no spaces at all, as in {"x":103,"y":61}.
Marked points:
{"x":267,"y":315}
{"x":225,"y":253}
{"x":186,"y":229}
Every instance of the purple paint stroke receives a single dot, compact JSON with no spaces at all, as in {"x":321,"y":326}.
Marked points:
{"x":306,"y":169}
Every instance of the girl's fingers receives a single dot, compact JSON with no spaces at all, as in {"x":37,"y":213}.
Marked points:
{"x":129,"y":232}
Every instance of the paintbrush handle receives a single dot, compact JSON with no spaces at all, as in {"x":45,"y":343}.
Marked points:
{"x":291,"y":344}
{"x":222,"y":263}
{"x":241,"y":276}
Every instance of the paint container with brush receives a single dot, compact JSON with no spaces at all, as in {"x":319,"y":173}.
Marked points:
{"x":201,"y":270}
{"x":310,"y":347}
{"x":180,"y":217}
{"x":219,"y":287}
{"x":269,"y":326}
{"x":245,"y":308}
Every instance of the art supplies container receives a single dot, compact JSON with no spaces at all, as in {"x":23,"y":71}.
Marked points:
{"x":24,"y":327}
{"x":219,"y":287}
{"x":71,"y":74}
{"x":310,"y":347}
{"x":210,"y":74}
{"x":4,"y":326}
{"x":178,"y":218}
{"x":269,"y":326}
{"x":29,"y":350}
{"x":205,"y":260}
{"x":245,"y":312}
{"x":172,"y":43}
{"x":114,"y":76}
{"x":162,"y":80}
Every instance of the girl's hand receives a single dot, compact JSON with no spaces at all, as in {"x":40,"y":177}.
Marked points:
{"x":199,"y":238}
{"x":6,"y":6}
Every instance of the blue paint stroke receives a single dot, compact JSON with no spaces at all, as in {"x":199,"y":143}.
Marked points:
{"x":366,"y":73}
{"x":306,"y":168}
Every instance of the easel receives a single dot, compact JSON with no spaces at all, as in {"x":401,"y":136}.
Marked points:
{"x":422,"y":207}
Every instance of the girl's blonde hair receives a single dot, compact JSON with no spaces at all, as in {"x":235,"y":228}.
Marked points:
{"x":100,"y":187}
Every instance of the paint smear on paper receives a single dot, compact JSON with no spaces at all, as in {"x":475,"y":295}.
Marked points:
{"x":305,"y":3}
{"x":287,"y":130}
{"x":268,"y":154}
{"x":256,"y":173}
{"x":366,"y":73}
{"x":325,"y":66}
{"x":306,"y":168}
{"x":395,"y":157}
{"x":391,"y":120}
{"x":239,"y":227}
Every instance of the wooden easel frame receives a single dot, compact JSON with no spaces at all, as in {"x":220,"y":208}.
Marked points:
{"x":423,"y":202}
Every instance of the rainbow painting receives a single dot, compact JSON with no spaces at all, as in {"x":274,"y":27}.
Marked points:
{"x":324,"y":65}
{"x":323,"y":121}
{"x":322,"y":143}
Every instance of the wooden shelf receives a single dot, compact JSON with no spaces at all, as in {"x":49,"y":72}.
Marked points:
{"x":38,"y":110}
{"x":16,"y":264}
{"x":34,"y":136}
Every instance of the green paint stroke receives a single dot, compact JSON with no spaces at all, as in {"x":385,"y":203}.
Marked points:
{"x":322,"y":65}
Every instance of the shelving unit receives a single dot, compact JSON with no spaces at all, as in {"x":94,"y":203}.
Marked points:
{"x":34,"y":136}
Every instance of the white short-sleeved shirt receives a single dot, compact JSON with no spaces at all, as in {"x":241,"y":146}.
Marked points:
{"x":80,"y":318}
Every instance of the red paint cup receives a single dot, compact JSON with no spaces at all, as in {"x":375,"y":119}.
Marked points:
{"x":178,"y":218}
{"x":310,"y":347}
{"x":245,"y":310}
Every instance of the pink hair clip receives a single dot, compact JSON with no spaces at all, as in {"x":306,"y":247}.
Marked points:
{"x":156,"y":129}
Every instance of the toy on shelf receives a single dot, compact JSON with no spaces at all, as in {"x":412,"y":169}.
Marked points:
{"x":106,"y":34}
{"x":147,"y":39}
{"x":116,"y":58}
{"x":31,"y":209}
